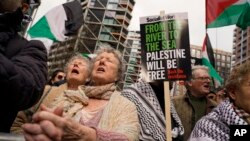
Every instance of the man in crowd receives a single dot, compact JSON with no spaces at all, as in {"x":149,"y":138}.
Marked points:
{"x":23,"y":65}
{"x":233,"y":110}
{"x":194,"y":104}
{"x":57,"y":78}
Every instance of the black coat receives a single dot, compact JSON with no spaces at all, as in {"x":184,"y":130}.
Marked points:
{"x":23,"y":75}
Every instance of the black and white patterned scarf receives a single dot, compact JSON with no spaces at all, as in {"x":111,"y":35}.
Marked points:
{"x":215,"y":126}
{"x":152,"y":120}
{"x":242,"y":113}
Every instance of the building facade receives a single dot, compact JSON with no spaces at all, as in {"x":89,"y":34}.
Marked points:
{"x":222,"y":58}
{"x":241,"y":46}
{"x":133,"y":53}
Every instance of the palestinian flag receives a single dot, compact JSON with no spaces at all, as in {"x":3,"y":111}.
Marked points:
{"x":207,"y":51}
{"x":59,"y":22}
{"x":90,"y":56}
{"x":227,"y":12}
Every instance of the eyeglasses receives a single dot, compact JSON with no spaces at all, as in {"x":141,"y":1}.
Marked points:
{"x":203,"y":78}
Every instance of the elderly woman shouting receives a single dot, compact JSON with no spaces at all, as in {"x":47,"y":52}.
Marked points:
{"x":77,"y":71}
{"x":106,"y":115}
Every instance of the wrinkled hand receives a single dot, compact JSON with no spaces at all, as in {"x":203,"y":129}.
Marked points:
{"x":51,"y":126}
{"x":43,"y":129}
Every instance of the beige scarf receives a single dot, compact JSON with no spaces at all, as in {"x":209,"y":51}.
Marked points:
{"x":73,"y":101}
{"x":98,"y":92}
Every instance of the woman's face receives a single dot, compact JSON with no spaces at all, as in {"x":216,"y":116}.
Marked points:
{"x":241,"y":96}
{"x":105,"y":69}
{"x":77,"y":71}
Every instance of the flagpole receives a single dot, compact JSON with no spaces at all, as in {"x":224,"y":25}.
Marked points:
{"x":241,"y":46}
{"x":31,"y":22}
{"x":205,"y":17}
{"x":216,"y":35}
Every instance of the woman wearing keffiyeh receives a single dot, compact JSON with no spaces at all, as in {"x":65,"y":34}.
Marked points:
{"x":94,"y":112}
{"x":234,"y":111}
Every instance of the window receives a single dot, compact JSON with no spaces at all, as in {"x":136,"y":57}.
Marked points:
{"x":106,"y":29}
{"x":104,"y":36}
{"x":112,"y":6}
{"x":223,"y":64}
{"x":198,"y":53}
{"x":136,"y":42}
{"x":218,"y":63}
{"x":223,"y":58}
{"x":114,"y":1}
{"x":110,"y":14}
{"x":108,"y":21}
{"x":193,"y":53}
{"x":218,"y":56}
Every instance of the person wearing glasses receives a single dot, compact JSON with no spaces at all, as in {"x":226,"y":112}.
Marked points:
{"x":194,"y":104}
{"x":57,"y":78}
{"x":23,"y":64}
{"x":234,"y":110}
{"x":77,"y":71}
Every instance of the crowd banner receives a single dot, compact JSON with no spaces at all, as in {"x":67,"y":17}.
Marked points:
{"x":165,"y":53}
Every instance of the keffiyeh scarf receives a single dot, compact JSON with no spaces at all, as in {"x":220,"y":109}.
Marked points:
{"x":152,"y":120}
{"x":243,"y":114}
{"x":215,"y":126}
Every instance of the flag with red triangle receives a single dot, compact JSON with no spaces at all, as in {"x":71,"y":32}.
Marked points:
{"x":227,"y":12}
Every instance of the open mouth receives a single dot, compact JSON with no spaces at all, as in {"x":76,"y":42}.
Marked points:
{"x":100,"y":69}
{"x":206,"y":86}
{"x":75,"y":71}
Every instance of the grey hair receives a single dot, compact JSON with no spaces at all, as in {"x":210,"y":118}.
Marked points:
{"x":197,"y":67}
{"x":107,"y":48}
{"x":78,"y":56}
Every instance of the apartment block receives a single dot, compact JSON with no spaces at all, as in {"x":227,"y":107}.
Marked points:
{"x":241,"y":46}
{"x":222,"y":58}
{"x":133,"y":53}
